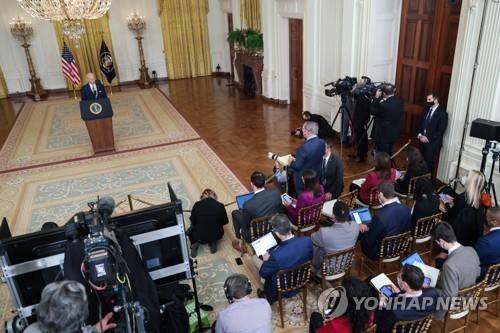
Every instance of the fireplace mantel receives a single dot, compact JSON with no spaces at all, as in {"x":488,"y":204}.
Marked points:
{"x":257,"y":65}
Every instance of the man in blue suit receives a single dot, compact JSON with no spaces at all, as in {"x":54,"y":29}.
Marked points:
{"x":392,"y":219}
{"x":93,"y":89}
{"x":292,"y":252}
{"x":308,"y":156}
{"x":488,"y":247}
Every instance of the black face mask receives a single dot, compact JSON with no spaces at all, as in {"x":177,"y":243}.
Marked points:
{"x":429,"y":104}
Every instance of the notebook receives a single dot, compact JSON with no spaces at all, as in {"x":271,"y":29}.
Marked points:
{"x":264,"y":244}
{"x":383,"y":284}
{"x":431,"y":273}
{"x":241,"y":199}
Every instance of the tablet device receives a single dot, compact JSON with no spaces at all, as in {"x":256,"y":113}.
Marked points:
{"x":264,"y":244}
{"x":411,"y":259}
{"x":286,"y":198}
{"x":361,"y":215}
{"x":241,"y":199}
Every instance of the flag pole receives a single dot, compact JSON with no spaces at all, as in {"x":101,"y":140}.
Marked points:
{"x":110,"y":88}
{"x":74,"y":91}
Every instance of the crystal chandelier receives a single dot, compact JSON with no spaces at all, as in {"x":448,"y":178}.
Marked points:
{"x":69,"y":12}
{"x":136,"y":23}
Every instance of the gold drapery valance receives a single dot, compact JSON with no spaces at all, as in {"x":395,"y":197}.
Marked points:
{"x":3,"y":86}
{"x":87,"y":55}
{"x":250,"y":14}
{"x":185,"y":37}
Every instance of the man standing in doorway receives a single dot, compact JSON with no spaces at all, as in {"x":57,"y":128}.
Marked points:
{"x":431,"y":128}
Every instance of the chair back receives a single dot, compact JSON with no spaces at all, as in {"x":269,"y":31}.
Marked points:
{"x":293,"y":278}
{"x":371,"y":329}
{"x":413,"y":182}
{"x":259,"y":227}
{"x":413,"y":326}
{"x":492,"y":278}
{"x":465,"y":300}
{"x":337,"y":264}
{"x":349,"y":198}
{"x":373,"y":202}
{"x":393,"y":247}
{"x":424,"y":226}
{"x":309,"y":216}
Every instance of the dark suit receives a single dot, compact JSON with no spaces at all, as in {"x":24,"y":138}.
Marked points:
{"x":433,"y":129}
{"x":424,"y":208}
{"x":87,"y":93}
{"x":414,"y":170}
{"x":488,"y":250}
{"x":392,"y":219}
{"x":308,"y":156}
{"x":360,"y":119}
{"x":332,"y":177}
{"x":264,"y":203}
{"x":407,"y":308}
{"x":388,"y":115}
{"x":208,"y":218}
{"x":289,"y":254}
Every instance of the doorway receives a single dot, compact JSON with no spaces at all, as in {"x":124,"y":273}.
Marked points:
{"x":296,"y":62}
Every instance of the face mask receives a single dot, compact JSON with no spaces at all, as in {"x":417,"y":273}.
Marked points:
{"x":429,"y":104}
{"x":463,"y":180}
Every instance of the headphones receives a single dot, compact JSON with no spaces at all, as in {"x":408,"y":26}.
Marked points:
{"x":235,"y":281}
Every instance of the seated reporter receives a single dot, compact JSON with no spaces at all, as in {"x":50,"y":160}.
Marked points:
{"x":488,"y":246}
{"x":244,"y":314}
{"x":63,"y":308}
{"x":426,"y":201}
{"x":313,"y":193}
{"x":411,"y":301}
{"x":383,"y":173}
{"x":415,"y":167}
{"x":291,"y":252}
{"x":343,"y":234}
{"x":208,"y":218}
{"x":392,"y":219}
{"x":354,"y":320}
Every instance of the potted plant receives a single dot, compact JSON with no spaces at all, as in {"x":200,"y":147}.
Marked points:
{"x":247,"y":41}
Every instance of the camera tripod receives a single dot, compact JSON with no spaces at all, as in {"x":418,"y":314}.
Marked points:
{"x":490,"y":186}
{"x":342,"y":110}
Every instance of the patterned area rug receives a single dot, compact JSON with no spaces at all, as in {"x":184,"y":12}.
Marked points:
{"x":53,"y":131}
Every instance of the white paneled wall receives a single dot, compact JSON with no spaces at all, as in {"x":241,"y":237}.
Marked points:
{"x":218,"y":29}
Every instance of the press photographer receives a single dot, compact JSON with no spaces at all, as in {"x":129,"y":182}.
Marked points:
{"x":388,"y":110}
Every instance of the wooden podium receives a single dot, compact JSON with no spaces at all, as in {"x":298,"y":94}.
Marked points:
{"x":98,"y":117}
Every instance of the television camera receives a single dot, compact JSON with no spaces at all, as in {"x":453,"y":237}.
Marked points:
{"x":341,"y":86}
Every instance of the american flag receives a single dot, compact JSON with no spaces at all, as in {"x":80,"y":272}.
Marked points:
{"x":70,"y":70}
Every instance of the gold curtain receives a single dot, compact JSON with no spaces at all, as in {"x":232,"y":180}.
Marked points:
{"x":3,"y":86}
{"x":87,"y":55}
{"x":185,"y":37}
{"x":250,"y":14}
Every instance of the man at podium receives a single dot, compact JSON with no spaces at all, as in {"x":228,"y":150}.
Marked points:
{"x":93,"y":89}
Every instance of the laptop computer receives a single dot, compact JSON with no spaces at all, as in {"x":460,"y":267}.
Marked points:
{"x":361,"y":215}
{"x":241,"y":199}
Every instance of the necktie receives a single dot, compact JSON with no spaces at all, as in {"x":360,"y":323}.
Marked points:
{"x":324,"y":170}
{"x":428,"y":118}
{"x":94,"y":90}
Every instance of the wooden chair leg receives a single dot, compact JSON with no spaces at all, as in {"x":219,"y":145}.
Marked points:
{"x":362,"y":263}
{"x":304,"y":301}
{"x":281,"y":310}
{"x":445,"y":323}
{"x":498,"y":302}
{"x":323,"y":282}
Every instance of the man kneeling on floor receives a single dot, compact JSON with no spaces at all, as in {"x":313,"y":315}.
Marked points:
{"x":244,"y":313}
{"x":291,"y":252}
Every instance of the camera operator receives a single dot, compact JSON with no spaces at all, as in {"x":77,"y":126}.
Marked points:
{"x":387,"y":110}
{"x":324,"y":128}
{"x":63,"y":308}
{"x":360,"y":120}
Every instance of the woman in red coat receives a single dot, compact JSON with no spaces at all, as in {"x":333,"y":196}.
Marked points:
{"x":383,"y":173}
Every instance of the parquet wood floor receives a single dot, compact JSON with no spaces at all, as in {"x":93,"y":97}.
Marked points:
{"x":241,"y":130}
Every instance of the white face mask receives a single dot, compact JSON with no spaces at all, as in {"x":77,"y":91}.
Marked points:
{"x":463,"y":180}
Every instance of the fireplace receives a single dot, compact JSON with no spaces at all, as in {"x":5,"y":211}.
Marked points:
{"x":249,"y":69}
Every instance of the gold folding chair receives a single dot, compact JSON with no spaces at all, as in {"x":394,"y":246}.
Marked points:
{"x":413,"y":326}
{"x":349,"y":198}
{"x":336,"y":265}
{"x":293,"y":279}
{"x":462,"y":309}
{"x":308,"y":219}
{"x":492,"y":284}
{"x":392,"y":249}
{"x":423,"y":231}
{"x":373,"y":203}
{"x":411,"y":187}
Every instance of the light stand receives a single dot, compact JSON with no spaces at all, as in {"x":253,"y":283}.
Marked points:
{"x":342,"y":111}
{"x":137,"y":24}
{"x":490,"y":186}
{"x":23,"y":30}
{"x":197,"y":304}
